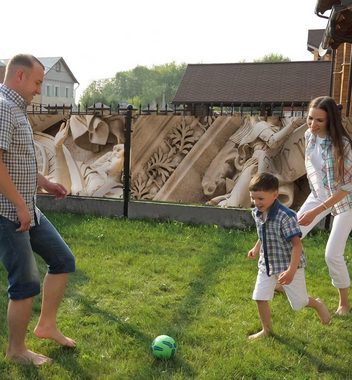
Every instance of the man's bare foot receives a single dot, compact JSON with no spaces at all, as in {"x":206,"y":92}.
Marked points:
{"x":56,"y":335}
{"x":323,"y":312}
{"x":28,"y":357}
{"x":342,"y":311}
{"x":258,"y":335}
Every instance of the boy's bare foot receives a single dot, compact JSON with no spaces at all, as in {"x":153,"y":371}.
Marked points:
{"x":279,"y":288}
{"x":28,"y":357}
{"x":56,"y":335}
{"x":258,"y":335}
{"x":342,"y":311}
{"x":323,"y":312}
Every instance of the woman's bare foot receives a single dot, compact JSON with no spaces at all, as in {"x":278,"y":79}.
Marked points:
{"x":342,"y":311}
{"x":258,"y":335}
{"x":28,"y":357}
{"x":323,"y":312}
{"x":56,"y":335}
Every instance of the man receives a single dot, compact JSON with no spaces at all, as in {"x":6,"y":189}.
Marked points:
{"x":23,"y":228}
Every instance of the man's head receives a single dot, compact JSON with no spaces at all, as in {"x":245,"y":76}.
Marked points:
{"x":264,"y":190}
{"x":24,"y":74}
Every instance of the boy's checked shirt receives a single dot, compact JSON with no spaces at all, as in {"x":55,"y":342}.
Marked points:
{"x":275,"y":234}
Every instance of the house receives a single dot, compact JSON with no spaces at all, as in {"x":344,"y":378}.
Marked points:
{"x":266,"y":85}
{"x":59,"y":83}
{"x":315,"y":37}
{"x":269,"y":86}
{"x":58,"y":87}
{"x":2,"y":70}
{"x":341,"y":71}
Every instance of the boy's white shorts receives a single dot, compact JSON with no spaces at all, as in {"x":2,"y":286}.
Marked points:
{"x":296,"y":291}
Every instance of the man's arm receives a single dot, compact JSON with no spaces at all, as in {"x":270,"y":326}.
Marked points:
{"x":52,"y":187}
{"x":9,"y":190}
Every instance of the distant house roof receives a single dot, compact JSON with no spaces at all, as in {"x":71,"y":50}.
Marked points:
{"x":49,"y":63}
{"x":315,"y":37}
{"x":254,"y":82}
{"x":323,"y":5}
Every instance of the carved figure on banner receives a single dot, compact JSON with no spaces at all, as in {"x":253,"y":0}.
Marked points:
{"x":251,"y":149}
{"x":92,"y":132}
{"x":99,"y":177}
{"x":102,"y":178}
{"x":87,"y":154}
{"x":171,"y":151}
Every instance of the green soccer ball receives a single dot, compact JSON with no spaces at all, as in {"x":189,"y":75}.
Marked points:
{"x":163,"y":347}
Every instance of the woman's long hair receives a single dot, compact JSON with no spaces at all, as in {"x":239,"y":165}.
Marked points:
{"x":335,"y":130}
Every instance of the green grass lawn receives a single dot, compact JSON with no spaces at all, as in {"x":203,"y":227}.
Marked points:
{"x":136,"y":280}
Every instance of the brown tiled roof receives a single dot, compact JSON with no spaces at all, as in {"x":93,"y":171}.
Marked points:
{"x":254,"y":82}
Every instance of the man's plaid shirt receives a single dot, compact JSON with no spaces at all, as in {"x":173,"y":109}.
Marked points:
{"x":16,"y":141}
{"x":328,"y":176}
{"x":275,"y":234}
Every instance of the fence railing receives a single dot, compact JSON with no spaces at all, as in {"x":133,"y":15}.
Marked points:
{"x":193,"y":109}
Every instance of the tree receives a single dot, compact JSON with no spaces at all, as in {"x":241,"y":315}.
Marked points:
{"x":141,"y":85}
{"x":273,"y":57}
{"x":94,"y":93}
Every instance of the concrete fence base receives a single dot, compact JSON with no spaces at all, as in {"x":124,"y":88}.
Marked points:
{"x":224,"y":217}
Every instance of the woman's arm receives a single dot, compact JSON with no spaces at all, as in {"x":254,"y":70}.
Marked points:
{"x":308,"y":217}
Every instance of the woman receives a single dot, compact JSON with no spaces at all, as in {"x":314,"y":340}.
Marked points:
{"x":328,"y":162}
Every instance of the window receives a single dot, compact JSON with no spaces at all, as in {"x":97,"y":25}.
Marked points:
{"x":67,"y":92}
{"x":47,"y":90}
{"x":57,"y":91}
{"x":58,"y":67}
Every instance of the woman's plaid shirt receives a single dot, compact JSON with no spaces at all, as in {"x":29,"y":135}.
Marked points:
{"x":328,"y":176}
{"x":275,"y":234}
{"x":16,"y":141}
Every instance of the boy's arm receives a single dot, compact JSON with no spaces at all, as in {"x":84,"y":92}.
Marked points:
{"x":286,"y":277}
{"x":254,"y":251}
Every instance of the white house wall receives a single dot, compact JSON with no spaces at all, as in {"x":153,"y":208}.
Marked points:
{"x":61,"y":87}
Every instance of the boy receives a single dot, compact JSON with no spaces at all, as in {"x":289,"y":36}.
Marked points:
{"x":281,"y":258}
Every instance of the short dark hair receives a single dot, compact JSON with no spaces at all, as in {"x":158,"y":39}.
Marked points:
{"x":264,"y":182}
{"x":25,"y":60}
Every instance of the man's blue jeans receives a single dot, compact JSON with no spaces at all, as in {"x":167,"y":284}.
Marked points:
{"x":16,"y":253}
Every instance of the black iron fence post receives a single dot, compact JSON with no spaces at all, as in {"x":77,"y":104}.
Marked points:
{"x":127,"y":156}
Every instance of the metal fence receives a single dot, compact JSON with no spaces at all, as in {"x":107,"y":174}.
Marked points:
{"x":192,"y":109}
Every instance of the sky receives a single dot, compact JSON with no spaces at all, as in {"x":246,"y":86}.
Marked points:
{"x":97,"y":39}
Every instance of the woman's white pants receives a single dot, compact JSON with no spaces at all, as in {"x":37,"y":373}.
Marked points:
{"x":335,"y":247}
